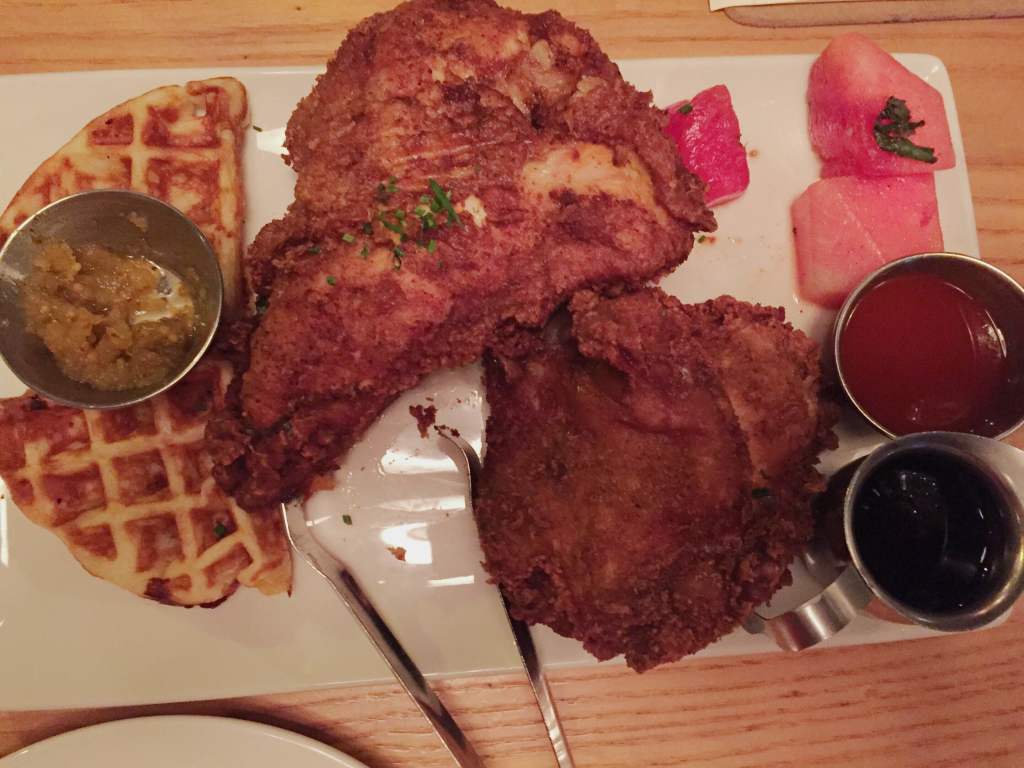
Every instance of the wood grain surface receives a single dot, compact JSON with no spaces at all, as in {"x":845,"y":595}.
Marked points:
{"x":818,"y":13}
{"x":951,"y":701}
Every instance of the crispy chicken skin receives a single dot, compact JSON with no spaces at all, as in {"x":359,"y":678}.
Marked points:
{"x":562,"y":179}
{"x":649,"y":469}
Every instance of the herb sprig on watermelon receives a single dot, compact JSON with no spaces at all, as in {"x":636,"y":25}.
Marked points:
{"x":876,"y":201}
{"x":893,"y":129}
{"x":864,"y":107}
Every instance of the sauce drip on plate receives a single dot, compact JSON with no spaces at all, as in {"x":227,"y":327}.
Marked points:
{"x":919,"y":353}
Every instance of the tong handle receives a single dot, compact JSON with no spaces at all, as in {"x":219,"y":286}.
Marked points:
{"x":383,"y":639}
{"x":520,"y":630}
{"x":541,"y":692}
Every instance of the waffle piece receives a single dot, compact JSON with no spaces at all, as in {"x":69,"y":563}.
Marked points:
{"x":179,"y":143}
{"x":129,"y":492}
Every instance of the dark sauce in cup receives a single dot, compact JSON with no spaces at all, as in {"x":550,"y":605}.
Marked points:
{"x":930,"y":530}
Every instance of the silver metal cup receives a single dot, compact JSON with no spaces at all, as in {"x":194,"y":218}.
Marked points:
{"x":125,"y":222}
{"x":834,"y":557}
{"x":999,"y":293}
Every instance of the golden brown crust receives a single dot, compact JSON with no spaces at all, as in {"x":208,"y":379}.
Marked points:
{"x":563,"y":178}
{"x":131,"y":494}
{"x":630,"y":495}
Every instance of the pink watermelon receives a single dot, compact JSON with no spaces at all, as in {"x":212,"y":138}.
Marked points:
{"x":851,"y":83}
{"x":707,"y":133}
{"x":845,"y":227}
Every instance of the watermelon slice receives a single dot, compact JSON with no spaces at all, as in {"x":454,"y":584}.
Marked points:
{"x":851,"y":84}
{"x":707,"y":133}
{"x":845,"y":227}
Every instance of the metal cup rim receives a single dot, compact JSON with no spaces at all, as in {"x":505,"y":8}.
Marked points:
{"x":963,"y":447}
{"x":133,"y":396}
{"x":869,"y":281}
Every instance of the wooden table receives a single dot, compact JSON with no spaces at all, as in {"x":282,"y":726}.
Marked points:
{"x":956,"y":701}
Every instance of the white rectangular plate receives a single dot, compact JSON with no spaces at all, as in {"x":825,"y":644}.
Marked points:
{"x":69,"y":640}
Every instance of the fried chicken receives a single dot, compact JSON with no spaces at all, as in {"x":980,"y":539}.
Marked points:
{"x":541,"y":171}
{"x":649,"y":469}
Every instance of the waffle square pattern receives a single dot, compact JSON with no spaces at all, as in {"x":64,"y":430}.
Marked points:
{"x":131,"y":494}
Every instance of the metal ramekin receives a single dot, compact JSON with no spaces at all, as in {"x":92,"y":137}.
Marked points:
{"x":997,"y":291}
{"x":125,"y":222}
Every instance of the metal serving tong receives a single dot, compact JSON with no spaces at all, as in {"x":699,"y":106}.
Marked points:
{"x":402,"y":666}
{"x":520,"y":631}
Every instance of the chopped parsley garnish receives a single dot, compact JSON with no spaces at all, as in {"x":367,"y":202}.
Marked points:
{"x":760,"y":493}
{"x":686,"y":109}
{"x":313,"y":250}
{"x":331,"y":280}
{"x":387,"y":189}
{"x":348,"y":238}
{"x":427,"y":219}
{"x":257,"y":129}
{"x":346,"y":519}
{"x":893,"y":128}
{"x":220,"y":530}
{"x":262,"y":305}
{"x":702,"y":238}
{"x":397,"y":220}
{"x":395,"y":226}
{"x":444,"y":203}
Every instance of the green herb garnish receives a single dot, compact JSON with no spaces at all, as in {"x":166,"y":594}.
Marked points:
{"x":387,"y":189}
{"x":392,"y":226}
{"x":893,"y":128}
{"x":432,"y":246}
{"x":427,"y":219}
{"x":220,"y":531}
{"x":760,"y":493}
{"x":348,"y":238}
{"x":686,"y":109}
{"x":313,"y":250}
{"x":399,"y":254}
{"x":444,"y":203}
{"x":346,"y":519}
{"x":331,"y":280}
{"x":702,"y":238}
{"x":365,"y":252}
{"x":257,"y":129}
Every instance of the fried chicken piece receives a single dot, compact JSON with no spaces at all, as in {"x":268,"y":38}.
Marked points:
{"x":560,"y":178}
{"x":649,"y":469}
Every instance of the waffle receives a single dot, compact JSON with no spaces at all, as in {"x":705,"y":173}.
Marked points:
{"x":129,"y":492}
{"x":179,"y":143}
